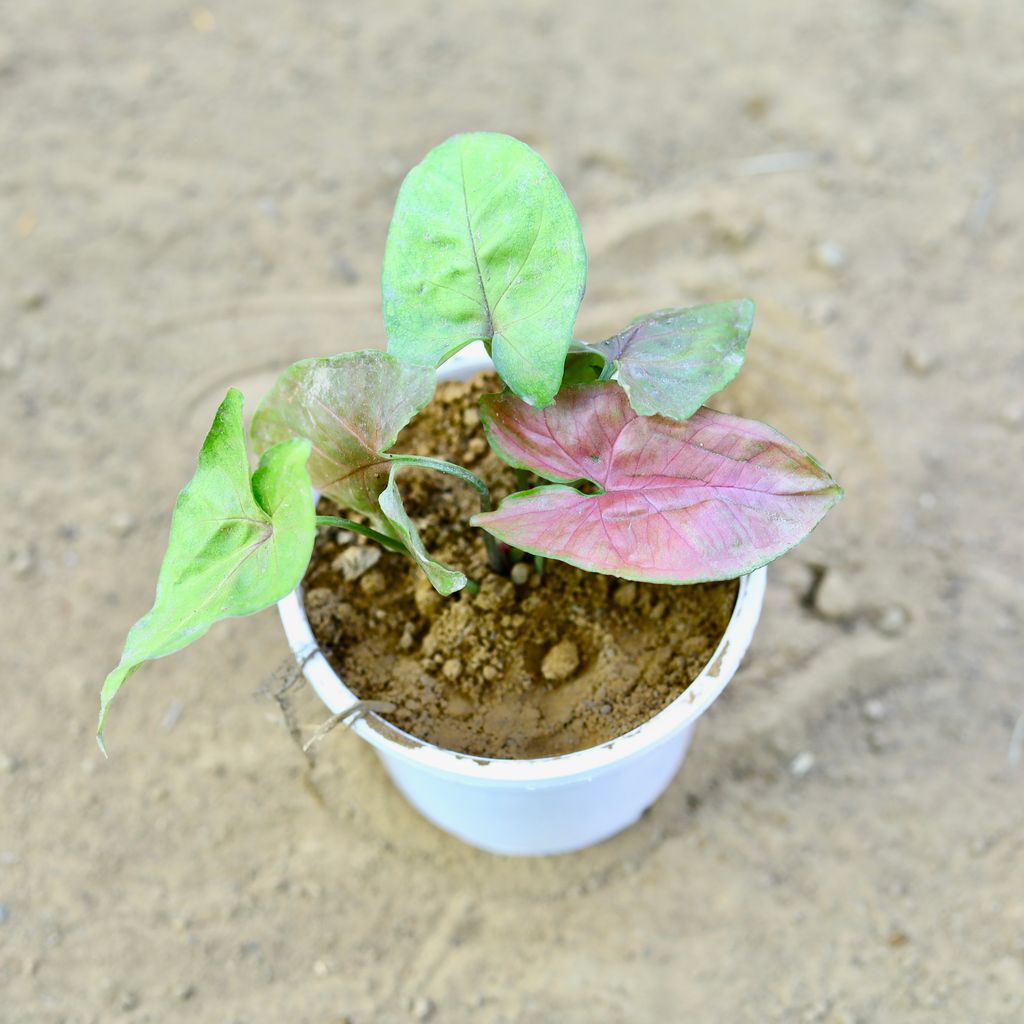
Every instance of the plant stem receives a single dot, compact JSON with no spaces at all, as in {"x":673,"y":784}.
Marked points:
{"x":494,"y":557}
{"x":381,"y":538}
{"x":452,"y":470}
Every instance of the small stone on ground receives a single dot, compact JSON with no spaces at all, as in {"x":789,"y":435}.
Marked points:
{"x":561,"y":661}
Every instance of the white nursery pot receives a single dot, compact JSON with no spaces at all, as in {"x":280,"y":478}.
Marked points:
{"x":541,"y":805}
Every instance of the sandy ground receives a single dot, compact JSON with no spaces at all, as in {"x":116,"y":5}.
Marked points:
{"x":195,"y":197}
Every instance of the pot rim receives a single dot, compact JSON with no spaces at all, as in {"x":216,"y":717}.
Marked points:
{"x":393,"y":741}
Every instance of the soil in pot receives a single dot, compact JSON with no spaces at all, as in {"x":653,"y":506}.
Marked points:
{"x":533,"y":665}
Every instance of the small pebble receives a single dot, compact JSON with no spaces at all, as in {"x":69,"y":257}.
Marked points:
{"x":835,"y":599}
{"x":801,"y":764}
{"x":171,"y":716}
{"x":980,"y":846}
{"x":873,"y":710}
{"x":1012,"y":415}
{"x":829,"y":255}
{"x":734,"y":223}
{"x":866,"y":149}
{"x":10,"y":362}
{"x":203,"y":20}
{"x":490,"y":673}
{"x":34,"y":298}
{"x":605,"y":709}
{"x":920,"y":362}
{"x":757,"y":106}
{"x":321,"y":968}
{"x":892,"y":620}
{"x":876,"y":744}
{"x":561,"y":661}
{"x":354,"y":561}
{"x":319,"y":605}
{"x":122,"y":524}
{"x":373,"y":583}
{"x":422,"y":1008}
{"x":128,"y":1001}
{"x":22,"y":562}
{"x":475,"y":447}
{"x":625,"y":595}
{"x":452,"y":669}
{"x":406,"y":641}
{"x":823,"y":310}
{"x":471,"y":417}
{"x":520,"y":573}
{"x":343,"y":537}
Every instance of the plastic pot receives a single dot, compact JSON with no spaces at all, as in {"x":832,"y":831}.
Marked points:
{"x":543,"y":805}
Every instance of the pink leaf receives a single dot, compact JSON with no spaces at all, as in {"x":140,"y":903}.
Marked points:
{"x":708,"y":498}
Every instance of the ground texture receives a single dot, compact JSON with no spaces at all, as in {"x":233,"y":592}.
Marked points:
{"x":193,"y":197}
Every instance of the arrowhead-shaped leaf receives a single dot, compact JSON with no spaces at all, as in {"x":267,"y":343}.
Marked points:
{"x":444,"y":580}
{"x":238,"y":543}
{"x":351,"y":407}
{"x":672,"y":361}
{"x":484,"y":244}
{"x":708,"y":498}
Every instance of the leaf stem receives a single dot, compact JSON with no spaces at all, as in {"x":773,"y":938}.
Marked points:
{"x":381,"y":538}
{"x":494,"y":557}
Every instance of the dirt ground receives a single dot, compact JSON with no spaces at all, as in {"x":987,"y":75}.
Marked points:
{"x":192,"y":197}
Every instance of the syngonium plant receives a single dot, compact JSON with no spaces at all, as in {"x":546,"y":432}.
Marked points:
{"x":644,"y":481}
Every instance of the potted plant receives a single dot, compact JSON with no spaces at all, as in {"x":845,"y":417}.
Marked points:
{"x":624,"y":502}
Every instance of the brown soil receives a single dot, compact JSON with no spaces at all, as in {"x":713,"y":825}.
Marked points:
{"x":546,"y":665}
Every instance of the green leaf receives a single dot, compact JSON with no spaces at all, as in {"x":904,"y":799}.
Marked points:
{"x":238,"y":543}
{"x":582,"y":365}
{"x":351,"y":407}
{"x":485,"y":245}
{"x":444,"y":580}
{"x":672,"y":361}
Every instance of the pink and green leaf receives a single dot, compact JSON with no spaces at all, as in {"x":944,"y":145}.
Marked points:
{"x":709,"y":498}
{"x":672,"y":361}
{"x":351,"y":408}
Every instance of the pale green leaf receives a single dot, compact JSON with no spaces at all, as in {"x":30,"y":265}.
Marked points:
{"x":443,"y":579}
{"x":485,"y":245}
{"x":238,"y":543}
